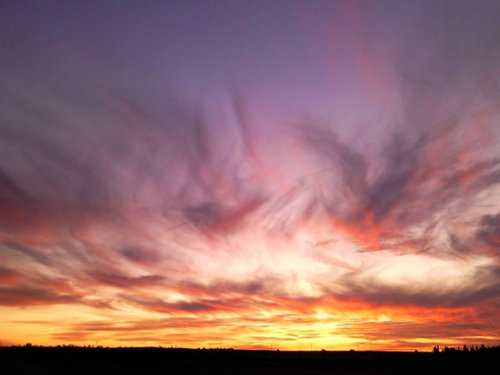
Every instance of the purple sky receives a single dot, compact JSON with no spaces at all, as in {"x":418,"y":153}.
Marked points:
{"x":316,"y":166}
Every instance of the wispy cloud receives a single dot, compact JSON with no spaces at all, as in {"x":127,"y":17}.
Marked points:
{"x":154,"y":210}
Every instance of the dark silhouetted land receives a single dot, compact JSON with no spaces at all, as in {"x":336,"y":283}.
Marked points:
{"x":96,"y":360}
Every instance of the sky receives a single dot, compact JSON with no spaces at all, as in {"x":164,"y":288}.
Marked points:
{"x":300,"y":175}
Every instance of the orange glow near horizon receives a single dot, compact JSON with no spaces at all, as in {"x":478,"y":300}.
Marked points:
{"x":321,"y":328}
{"x":291,"y":294}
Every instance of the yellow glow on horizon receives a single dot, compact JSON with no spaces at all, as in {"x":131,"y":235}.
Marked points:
{"x":323,"y":329}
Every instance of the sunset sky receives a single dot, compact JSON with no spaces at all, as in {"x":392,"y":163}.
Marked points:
{"x":250,"y":174}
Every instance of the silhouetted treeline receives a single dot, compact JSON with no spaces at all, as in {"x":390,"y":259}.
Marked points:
{"x":467,"y":349}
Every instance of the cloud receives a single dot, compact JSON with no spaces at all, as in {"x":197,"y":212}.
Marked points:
{"x":25,"y":296}
{"x":9,"y":276}
{"x":123,"y":281}
{"x":161,"y":306}
{"x":33,"y":254}
{"x":438,"y":152}
{"x":489,"y":230}
{"x":140,"y":255}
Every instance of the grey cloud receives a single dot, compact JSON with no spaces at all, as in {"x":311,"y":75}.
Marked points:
{"x":191,"y":306}
{"x":26,"y":296}
{"x":483,"y":286}
{"x":124,"y":281}
{"x":159,"y":305}
{"x":489,"y":230}
{"x":7,"y":274}
{"x":204,"y":215}
{"x":141,"y":255}
{"x":98,"y":152}
{"x":483,"y":239}
{"x":420,"y":172}
{"x":10,"y":192}
{"x":34,"y":254}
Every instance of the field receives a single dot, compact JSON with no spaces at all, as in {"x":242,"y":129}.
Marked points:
{"x":81,"y":360}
